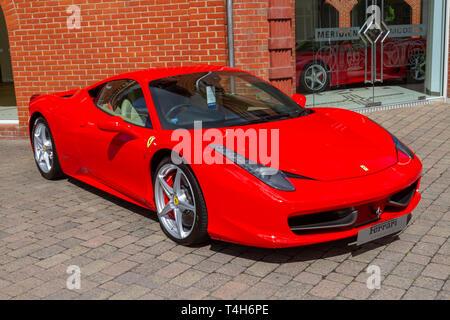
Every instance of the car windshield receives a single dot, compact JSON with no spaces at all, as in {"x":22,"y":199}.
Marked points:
{"x":219,"y":99}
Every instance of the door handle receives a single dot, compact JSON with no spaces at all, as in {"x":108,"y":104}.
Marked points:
{"x":84,"y":124}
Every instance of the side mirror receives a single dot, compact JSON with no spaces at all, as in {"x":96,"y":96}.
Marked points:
{"x":116,"y":124}
{"x":299,"y":99}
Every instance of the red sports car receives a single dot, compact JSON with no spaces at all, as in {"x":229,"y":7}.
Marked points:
{"x":339,"y":174}
{"x":320,"y":65}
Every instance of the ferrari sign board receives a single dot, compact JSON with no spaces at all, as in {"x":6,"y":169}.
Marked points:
{"x":397,"y":31}
{"x":337,"y":34}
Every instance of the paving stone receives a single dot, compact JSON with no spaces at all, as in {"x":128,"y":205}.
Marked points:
{"x":123,"y":254}
{"x":429,"y":283}
{"x":172,"y":270}
{"x":212,"y":281}
{"x":308,"y":278}
{"x":438,"y":271}
{"x":188,"y":278}
{"x":351,"y":268}
{"x":327,"y":289}
{"x":130,"y":292}
{"x":356,"y":291}
{"x":416,"y":293}
{"x":230,"y":290}
{"x":397,"y":281}
{"x":387,"y":293}
{"x":119,"y":268}
{"x":261,"y":269}
{"x":417,"y":258}
{"x":259,"y":291}
{"x":277,"y":278}
{"x":293,"y":291}
{"x":322,"y":267}
{"x":408,"y":270}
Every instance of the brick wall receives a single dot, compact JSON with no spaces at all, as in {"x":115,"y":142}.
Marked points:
{"x":251,"y":30}
{"x":116,"y":36}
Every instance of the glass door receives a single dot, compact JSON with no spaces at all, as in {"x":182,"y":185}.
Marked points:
{"x":397,"y":40}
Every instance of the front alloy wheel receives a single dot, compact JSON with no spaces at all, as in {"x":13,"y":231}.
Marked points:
{"x":179,"y":203}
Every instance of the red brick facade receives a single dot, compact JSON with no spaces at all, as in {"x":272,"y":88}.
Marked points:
{"x":117,"y":36}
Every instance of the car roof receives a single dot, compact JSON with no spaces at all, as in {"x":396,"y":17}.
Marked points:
{"x":148,"y":75}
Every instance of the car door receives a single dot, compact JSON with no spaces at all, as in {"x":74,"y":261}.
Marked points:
{"x":119,"y":158}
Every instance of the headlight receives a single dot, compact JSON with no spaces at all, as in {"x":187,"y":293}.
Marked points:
{"x":400,"y":146}
{"x":270,"y":176}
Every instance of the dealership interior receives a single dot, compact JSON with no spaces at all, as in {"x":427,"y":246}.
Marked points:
{"x":8,"y":109}
{"x":354,"y":54}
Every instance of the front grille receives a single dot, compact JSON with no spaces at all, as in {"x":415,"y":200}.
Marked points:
{"x":324,"y":220}
{"x":401,"y":200}
{"x":351,"y":217}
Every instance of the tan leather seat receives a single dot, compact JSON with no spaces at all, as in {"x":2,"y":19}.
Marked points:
{"x":130,"y":114}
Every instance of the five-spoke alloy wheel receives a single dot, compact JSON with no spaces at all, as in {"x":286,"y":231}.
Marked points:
{"x":315,"y":77}
{"x":44,"y":150}
{"x":179,"y":203}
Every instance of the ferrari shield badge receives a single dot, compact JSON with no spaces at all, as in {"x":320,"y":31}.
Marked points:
{"x":150,"y":141}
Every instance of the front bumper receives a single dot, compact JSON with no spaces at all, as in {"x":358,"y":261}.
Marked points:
{"x":243,"y":210}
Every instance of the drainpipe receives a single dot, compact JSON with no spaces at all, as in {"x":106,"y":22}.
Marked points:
{"x":231,"y":62}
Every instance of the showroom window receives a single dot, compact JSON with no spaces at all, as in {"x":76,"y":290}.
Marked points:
{"x":354,"y":54}
{"x":8,"y":108}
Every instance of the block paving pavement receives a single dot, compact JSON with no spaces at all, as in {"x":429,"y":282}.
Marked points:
{"x":47,"y":226}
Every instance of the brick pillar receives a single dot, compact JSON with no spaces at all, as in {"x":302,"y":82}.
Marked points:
{"x":281,"y":44}
{"x":344,"y":7}
{"x":416,"y":6}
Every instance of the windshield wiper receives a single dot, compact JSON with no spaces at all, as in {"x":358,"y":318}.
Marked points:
{"x":267,"y":118}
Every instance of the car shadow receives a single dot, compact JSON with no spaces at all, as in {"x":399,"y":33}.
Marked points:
{"x":146,"y":213}
{"x":333,"y":249}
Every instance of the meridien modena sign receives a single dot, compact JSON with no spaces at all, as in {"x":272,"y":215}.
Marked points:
{"x":397,"y":31}
{"x":336,"y":34}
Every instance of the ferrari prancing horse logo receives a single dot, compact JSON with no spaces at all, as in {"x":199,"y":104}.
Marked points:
{"x":150,"y":141}
{"x":378,"y":212}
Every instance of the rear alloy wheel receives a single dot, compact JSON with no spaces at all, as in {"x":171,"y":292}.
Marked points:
{"x":417,"y":65}
{"x":45,"y":151}
{"x":179,"y":203}
{"x":315,"y":77}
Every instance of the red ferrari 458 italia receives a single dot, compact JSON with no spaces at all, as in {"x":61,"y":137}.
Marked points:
{"x":338,"y":174}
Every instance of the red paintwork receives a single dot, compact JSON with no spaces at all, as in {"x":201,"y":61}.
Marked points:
{"x":346,"y":61}
{"x":329,"y":145}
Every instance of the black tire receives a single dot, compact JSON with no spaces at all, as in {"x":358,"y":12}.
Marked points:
{"x":55,"y":171}
{"x":199,"y":233}
{"x":303,"y":81}
{"x":410,"y":72}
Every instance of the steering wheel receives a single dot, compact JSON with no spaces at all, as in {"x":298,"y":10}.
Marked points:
{"x":175,"y":110}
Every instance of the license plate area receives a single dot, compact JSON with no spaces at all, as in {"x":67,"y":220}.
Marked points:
{"x":381,"y":229}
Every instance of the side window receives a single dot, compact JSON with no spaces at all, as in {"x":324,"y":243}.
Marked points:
{"x":124,"y":98}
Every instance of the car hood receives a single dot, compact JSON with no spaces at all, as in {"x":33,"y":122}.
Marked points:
{"x":332,"y":144}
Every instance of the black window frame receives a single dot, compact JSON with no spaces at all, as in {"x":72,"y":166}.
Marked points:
{"x":98,"y":91}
